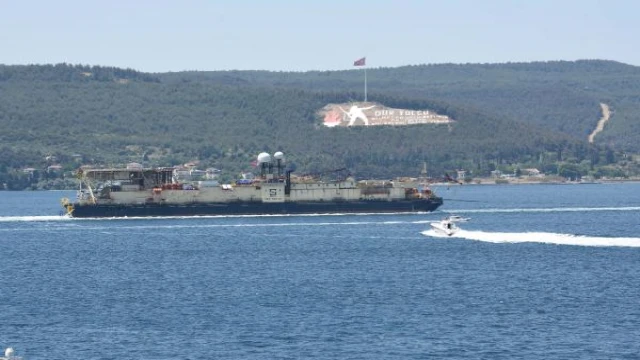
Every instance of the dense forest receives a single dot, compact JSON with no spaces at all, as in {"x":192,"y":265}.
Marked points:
{"x":55,"y":118}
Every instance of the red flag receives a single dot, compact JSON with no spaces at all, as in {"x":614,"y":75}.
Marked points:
{"x":359,"y":62}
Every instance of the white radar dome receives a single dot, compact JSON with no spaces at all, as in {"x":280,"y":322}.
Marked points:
{"x":264,"y":157}
{"x":278,"y":156}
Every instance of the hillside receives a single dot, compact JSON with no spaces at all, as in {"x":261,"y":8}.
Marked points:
{"x":558,"y":95}
{"x":506,"y":115}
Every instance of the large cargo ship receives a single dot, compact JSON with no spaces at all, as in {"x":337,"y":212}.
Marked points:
{"x":142,"y":192}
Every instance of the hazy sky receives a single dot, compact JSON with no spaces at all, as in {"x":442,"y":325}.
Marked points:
{"x":288,"y":35}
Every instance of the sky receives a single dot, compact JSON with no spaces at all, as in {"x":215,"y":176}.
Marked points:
{"x":288,"y":35}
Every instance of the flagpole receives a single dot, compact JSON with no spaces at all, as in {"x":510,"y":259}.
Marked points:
{"x":365,"y":83}
{"x":363,"y":62}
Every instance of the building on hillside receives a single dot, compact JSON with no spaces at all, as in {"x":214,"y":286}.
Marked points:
{"x":532,"y":172}
{"x":54,"y":169}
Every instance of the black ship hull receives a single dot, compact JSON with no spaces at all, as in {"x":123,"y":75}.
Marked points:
{"x":255,"y":208}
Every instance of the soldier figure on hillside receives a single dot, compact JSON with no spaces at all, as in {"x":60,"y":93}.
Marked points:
{"x":356,"y":113}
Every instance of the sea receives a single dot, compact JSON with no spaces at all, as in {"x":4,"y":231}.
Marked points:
{"x":538,"y":272}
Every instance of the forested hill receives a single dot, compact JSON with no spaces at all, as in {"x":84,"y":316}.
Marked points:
{"x":558,"y":95}
{"x":506,"y":116}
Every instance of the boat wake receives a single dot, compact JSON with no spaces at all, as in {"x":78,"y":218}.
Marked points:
{"x":33,"y":218}
{"x":254,"y":225}
{"x":550,"y":210}
{"x":196,"y":217}
{"x":539,"y":237}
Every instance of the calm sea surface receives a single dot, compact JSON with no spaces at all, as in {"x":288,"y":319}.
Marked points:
{"x":539,"y":272}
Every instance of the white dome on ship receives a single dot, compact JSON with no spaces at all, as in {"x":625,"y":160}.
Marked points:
{"x":264,"y":158}
{"x":278,"y":156}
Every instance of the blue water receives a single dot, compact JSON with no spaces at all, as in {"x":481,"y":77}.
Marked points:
{"x":539,"y":272}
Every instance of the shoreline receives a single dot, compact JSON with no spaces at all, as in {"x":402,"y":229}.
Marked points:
{"x":475,"y":181}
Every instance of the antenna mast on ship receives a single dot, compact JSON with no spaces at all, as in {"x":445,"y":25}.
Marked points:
{"x":423,"y":179}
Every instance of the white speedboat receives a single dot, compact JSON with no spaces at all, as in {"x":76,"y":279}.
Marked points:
{"x":8,"y":355}
{"x":446,"y":227}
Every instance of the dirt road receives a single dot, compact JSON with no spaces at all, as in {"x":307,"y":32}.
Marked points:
{"x":606,"y":113}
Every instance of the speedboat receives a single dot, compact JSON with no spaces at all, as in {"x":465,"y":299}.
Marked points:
{"x":446,"y":227}
{"x":8,"y":355}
